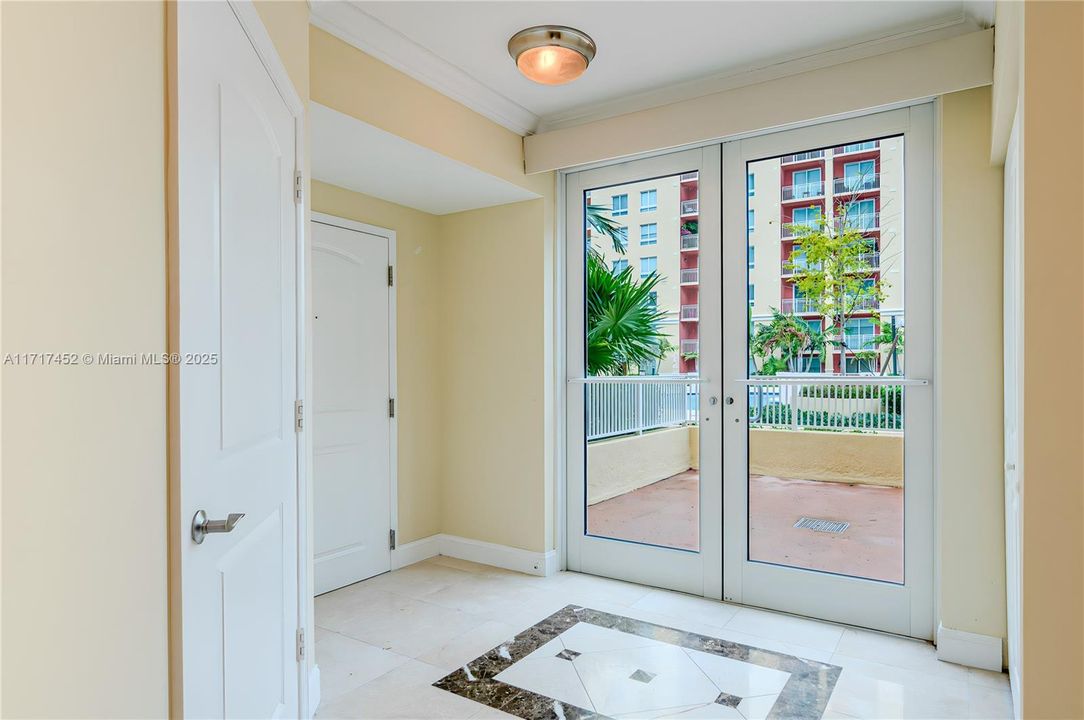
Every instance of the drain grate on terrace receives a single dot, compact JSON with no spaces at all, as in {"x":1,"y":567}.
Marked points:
{"x":818,"y":525}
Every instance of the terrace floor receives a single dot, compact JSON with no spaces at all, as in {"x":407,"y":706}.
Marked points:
{"x":665,"y":513}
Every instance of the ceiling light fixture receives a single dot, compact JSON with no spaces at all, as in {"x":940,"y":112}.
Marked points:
{"x":551,"y":54}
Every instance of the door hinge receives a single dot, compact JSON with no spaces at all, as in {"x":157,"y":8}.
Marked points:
{"x":391,"y":407}
{"x":391,"y":276}
{"x":299,"y":415}
{"x":299,"y":187}
{"x":300,"y":644}
{"x":391,"y":538}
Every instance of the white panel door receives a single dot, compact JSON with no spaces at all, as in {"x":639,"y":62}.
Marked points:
{"x":351,"y":422}
{"x":235,"y":328}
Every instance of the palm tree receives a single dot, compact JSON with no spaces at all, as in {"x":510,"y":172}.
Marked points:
{"x":890,"y":334}
{"x":795,"y":341}
{"x":622,"y":317}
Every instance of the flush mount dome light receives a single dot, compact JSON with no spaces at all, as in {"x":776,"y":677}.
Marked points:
{"x":551,"y":54}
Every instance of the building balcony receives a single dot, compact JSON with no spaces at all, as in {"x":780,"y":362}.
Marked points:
{"x":799,"y":306}
{"x":689,"y":177}
{"x":862,"y":222}
{"x":802,"y":157}
{"x":855,"y":148}
{"x":690,"y":242}
{"x":689,"y":276}
{"x":798,"y":266}
{"x":690,"y":207}
{"x":690,"y":346}
{"x":857,"y":184}
{"x":803,"y":191}
{"x":690,"y":313}
{"x":789,"y":230}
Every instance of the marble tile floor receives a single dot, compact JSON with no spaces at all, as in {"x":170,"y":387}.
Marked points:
{"x":407,"y":644}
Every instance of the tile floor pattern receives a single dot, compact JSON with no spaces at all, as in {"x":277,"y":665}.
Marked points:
{"x":583,"y":663}
{"x":381,"y":644}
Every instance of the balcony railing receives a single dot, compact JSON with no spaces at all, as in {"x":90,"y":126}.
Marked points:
{"x":856,"y":184}
{"x":856,"y":147}
{"x":690,"y":346}
{"x":802,"y":157}
{"x":869,"y":406}
{"x":689,"y":276}
{"x":689,"y":177}
{"x":620,"y":407}
{"x":799,"y":306}
{"x":862,"y":222}
{"x":790,"y":230}
{"x":690,"y":241}
{"x":690,"y":312}
{"x":797,"y":266}
{"x":872,"y":259}
{"x":690,"y":207}
{"x":802,"y":190}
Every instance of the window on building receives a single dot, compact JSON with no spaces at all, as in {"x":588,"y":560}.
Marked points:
{"x":649,"y":200}
{"x":620,"y":205}
{"x":862,"y":214}
{"x":806,"y":216}
{"x":653,"y":300}
{"x":861,"y":365}
{"x":858,"y":147}
{"x":751,"y":219}
{"x":752,"y":294}
{"x":807,"y":183}
{"x":815,"y":324}
{"x":648,"y":265}
{"x":859,"y":333}
{"x":751,"y":184}
{"x":620,"y":265}
{"x":858,"y":176}
{"x":649,"y":233}
{"x":752,"y":257}
{"x":811,"y":363}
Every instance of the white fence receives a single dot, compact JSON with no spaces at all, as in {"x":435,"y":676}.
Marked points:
{"x":856,"y":406}
{"x":622,"y":407}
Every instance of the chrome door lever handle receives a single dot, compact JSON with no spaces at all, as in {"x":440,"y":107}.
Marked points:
{"x":201,"y":526}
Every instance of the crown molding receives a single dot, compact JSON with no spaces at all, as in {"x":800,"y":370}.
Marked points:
{"x":356,"y":27}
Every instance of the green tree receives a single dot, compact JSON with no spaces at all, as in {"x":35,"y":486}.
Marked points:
{"x":622,"y":318}
{"x":833,"y":265}
{"x":891,"y":335}
{"x":786,"y":343}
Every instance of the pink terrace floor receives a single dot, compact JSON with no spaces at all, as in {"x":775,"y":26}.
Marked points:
{"x":665,"y":513}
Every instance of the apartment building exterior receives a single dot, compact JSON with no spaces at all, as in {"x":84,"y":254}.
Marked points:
{"x":660,"y":218}
{"x":800,"y":189}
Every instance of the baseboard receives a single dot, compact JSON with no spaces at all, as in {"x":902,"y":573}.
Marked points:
{"x":416,"y":551}
{"x":501,"y":556}
{"x":314,"y":690}
{"x":968,"y":648}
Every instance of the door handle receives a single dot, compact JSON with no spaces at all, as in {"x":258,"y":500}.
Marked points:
{"x":201,"y":526}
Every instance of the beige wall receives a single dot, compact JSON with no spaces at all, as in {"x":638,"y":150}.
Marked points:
{"x":84,"y":448}
{"x":968,"y":391}
{"x":419,"y":302}
{"x":859,"y":458}
{"x":1053,"y":430}
{"x":620,"y":465}
{"x":494,"y":356}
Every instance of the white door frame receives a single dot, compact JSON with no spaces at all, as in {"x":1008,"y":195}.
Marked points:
{"x":907,"y":609}
{"x":699,"y":572}
{"x":393,"y":391}
{"x":249,"y":19}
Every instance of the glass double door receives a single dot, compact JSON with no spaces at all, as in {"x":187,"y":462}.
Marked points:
{"x":748,"y":410}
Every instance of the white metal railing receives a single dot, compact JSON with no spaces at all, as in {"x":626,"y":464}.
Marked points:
{"x":690,"y":346}
{"x":860,"y":221}
{"x":802,"y":156}
{"x":793,"y":229}
{"x":802,"y":190}
{"x":857,"y":183}
{"x":689,"y":276}
{"x":690,"y":207}
{"x":690,"y":312}
{"x":616,"y":408}
{"x":690,"y":241}
{"x":688,"y":177}
{"x":798,"y":306}
{"x":828,"y":402}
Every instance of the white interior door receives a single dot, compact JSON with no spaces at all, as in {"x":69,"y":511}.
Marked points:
{"x":235,"y":451}
{"x":352,"y":418}
{"x":643,"y":472}
{"x":828,"y":425}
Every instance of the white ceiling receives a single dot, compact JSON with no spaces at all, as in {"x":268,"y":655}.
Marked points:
{"x":355,"y":155}
{"x":644,"y":48}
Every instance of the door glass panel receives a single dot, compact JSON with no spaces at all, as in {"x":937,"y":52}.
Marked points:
{"x":825,"y":475}
{"x":642,"y":355}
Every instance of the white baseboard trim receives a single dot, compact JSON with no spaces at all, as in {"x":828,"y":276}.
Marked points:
{"x":968,"y":648}
{"x":314,"y":690}
{"x":502,"y":556}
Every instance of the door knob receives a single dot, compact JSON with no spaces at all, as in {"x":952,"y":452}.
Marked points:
{"x":729,"y":400}
{"x":201,"y":526}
